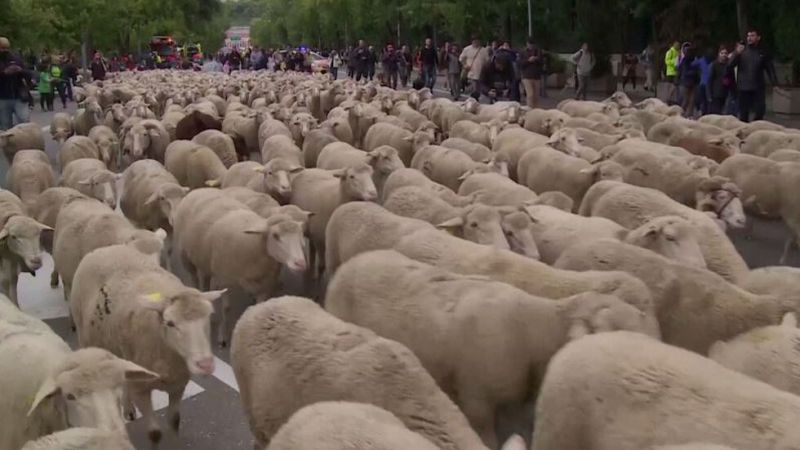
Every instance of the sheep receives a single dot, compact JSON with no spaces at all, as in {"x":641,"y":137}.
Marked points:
{"x":775,"y":280}
{"x":404,"y":111}
{"x":384,"y":160}
{"x":544,"y":169}
{"x":476,"y":223}
{"x":116,"y":116}
{"x":715,"y":142}
{"x":673,"y":397}
{"x":413,"y":177}
{"x":272,"y":127}
{"x":220,"y":143}
{"x":194,"y":165}
{"x":746,"y":129}
{"x":631,"y":206}
{"x":554,"y":231}
{"x":314,"y":142}
{"x":61,"y":127}
{"x":81,"y":438}
{"x":47,"y":387}
{"x":19,"y":243}
{"x":300,"y":124}
{"x":30,"y":174}
{"x":477,"y":152}
{"x":405,"y":300}
{"x":84,"y":225}
{"x":124,"y":302}
{"x":496,"y":190}
{"x":545,"y":121}
{"x":107,"y":143}
{"x":280,"y":146}
{"x":261,"y":204}
{"x":599,"y":141}
{"x":558,"y":200}
{"x":583,"y":108}
{"x":358,"y":228}
{"x":757,"y":178}
{"x":514,"y":142}
{"x":146,"y":139}
{"x":648,"y":119}
{"x":317,"y":357}
{"x":87,"y":117}
{"x":763,"y":143}
{"x":338,"y":127}
{"x":171,"y":121}
{"x":45,"y":211}
{"x":393,"y":136}
{"x":345,"y":425}
{"x":651,"y":147}
{"x":78,"y":147}
{"x":479,"y":133}
{"x":584,"y":123}
{"x":91,"y":178}
{"x":321,"y":192}
{"x":726,"y":122}
{"x":273,"y":178}
{"x":785,"y":155}
{"x":450,"y":167}
{"x":24,"y":136}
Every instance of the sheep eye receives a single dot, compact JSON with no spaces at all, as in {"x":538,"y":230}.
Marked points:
{"x":171,"y":324}
{"x":269,"y":173}
{"x":71,"y":397}
{"x":351,"y":177}
{"x":474,"y":224}
{"x":276,"y":236}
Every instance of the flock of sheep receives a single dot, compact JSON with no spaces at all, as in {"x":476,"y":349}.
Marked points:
{"x":469,"y":257}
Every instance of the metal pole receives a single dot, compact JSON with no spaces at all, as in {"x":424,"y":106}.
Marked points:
{"x":530,"y":19}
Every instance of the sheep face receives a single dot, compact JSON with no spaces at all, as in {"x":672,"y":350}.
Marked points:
{"x":285,"y":241}
{"x":88,"y":384}
{"x":671,"y":237}
{"x":356,"y":183}
{"x":566,"y":141}
{"x":101,"y":185}
{"x":278,"y":177}
{"x":479,"y":224}
{"x":21,"y":236}
{"x":720,"y":196}
{"x":168,"y":196}
{"x":592,"y":313}
{"x":61,"y":134}
{"x":384,"y":160}
{"x":185,"y":325}
{"x":517,"y":228}
{"x":301,"y":124}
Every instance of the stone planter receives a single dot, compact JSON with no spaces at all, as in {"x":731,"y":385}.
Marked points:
{"x":556,"y":80}
{"x":786,"y":100}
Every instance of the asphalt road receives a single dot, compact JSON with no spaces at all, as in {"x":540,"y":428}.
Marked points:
{"x":211,"y":413}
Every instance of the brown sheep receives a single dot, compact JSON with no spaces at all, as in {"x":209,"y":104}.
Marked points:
{"x":194,"y":123}
{"x":701,"y":147}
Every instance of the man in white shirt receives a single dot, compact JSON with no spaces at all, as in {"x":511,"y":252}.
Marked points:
{"x":473,"y":57}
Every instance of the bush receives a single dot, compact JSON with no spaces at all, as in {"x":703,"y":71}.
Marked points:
{"x":602,"y":66}
{"x":556,"y":64}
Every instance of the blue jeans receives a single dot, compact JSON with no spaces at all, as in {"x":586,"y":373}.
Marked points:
{"x":10,"y":108}
{"x":429,"y":76}
{"x":334,"y":73}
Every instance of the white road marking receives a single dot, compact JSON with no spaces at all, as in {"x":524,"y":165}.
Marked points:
{"x":46,"y":129}
{"x":224,"y":373}
{"x":161,"y":399}
{"x":36,"y":296}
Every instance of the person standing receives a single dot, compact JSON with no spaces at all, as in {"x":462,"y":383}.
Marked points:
{"x":702,"y":63}
{"x":56,"y":74}
{"x":404,"y":65}
{"x":629,"y":70}
{"x":647,"y":60}
{"x":45,"y":88}
{"x":14,"y":95}
{"x":98,"y":67}
{"x":372,"y":60}
{"x":670,"y":60}
{"x":718,"y":82}
{"x":334,"y":63}
{"x":428,"y":58}
{"x":454,"y":67}
{"x":584,"y":63}
{"x":389,"y":62}
{"x":360,"y":56}
{"x":531,"y":66}
{"x":351,"y":62}
{"x":689,"y":79}
{"x":473,"y":58}
{"x":752,"y":64}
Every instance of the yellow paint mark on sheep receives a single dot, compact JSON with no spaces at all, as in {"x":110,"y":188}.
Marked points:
{"x":761,"y":335}
{"x":154,"y":297}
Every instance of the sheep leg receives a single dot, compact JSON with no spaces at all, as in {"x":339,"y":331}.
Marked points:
{"x":54,"y":279}
{"x":191,"y":269}
{"x":749,"y":230}
{"x":13,"y":281}
{"x":222,"y":327}
{"x":786,"y":249}
{"x":128,"y":408}
{"x":481,"y":417}
{"x":312,"y":259}
{"x":174,"y":408}
{"x":320,"y":262}
{"x":5,"y":278}
{"x":145,"y":404}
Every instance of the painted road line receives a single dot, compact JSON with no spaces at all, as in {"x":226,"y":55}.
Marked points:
{"x":224,"y":372}
{"x":161,"y":399}
{"x":36,"y":296}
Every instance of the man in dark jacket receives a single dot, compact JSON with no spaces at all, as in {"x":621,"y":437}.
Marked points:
{"x":753,"y":63}
{"x":361,"y":58}
{"x":497,"y":77}
{"x":13,"y":92}
{"x":389,"y":64}
{"x":428,"y":57}
{"x":717,"y":87}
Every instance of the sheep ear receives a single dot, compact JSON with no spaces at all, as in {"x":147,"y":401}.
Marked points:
{"x":161,"y":234}
{"x":455,"y":222}
{"x":409,"y":138}
{"x":153,"y":198}
{"x":46,"y":390}
{"x":515,"y":442}
{"x":135,"y":372}
{"x":296,"y":169}
{"x":259,"y":169}
{"x":85,"y":182}
{"x":789,"y":320}
{"x":185,"y":190}
{"x":260,"y":228}
{"x":44,"y":227}
{"x":339,"y":173}
{"x":213,"y":295}
{"x":589,"y":170}
{"x":213,"y":183}
{"x":529,"y":213}
{"x":153,"y":301}
{"x":465,"y":175}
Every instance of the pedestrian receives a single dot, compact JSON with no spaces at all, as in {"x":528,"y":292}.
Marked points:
{"x":428,"y":58}
{"x":701,"y":63}
{"x":647,"y":58}
{"x":531,"y":65}
{"x":372,"y":60}
{"x":334,"y":62}
{"x":389,"y":62}
{"x":718,"y":83}
{"x":361,"y":60}
{"x":473,"y":58}
{"x":670,"y":68}
{"x":584,"y":63}
{"x":14,"y":95}
{"x":45,"y":88}
{"x":629,"y":70}
{"x":70,"y":76}
{"x":351,"y":62}
{"x":752,"y":63}
{"x":496,"y":78}
{"x":98,"y":67}
{"x":689,"y":79}
{"x":454,"y":68}
{"x":57,"y":81}
{"x":404,"y":65}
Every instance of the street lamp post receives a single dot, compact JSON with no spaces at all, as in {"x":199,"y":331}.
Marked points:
{"x":530,"y":18}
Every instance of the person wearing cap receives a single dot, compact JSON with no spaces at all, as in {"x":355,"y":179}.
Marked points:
{"x":752,"y":64}
{"x":14,"y":94}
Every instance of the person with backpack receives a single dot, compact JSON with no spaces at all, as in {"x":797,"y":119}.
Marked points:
{"x":719,"y":82}
{"x":584,"y":63}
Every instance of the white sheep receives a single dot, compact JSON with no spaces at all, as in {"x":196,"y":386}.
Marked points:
{"x":108,"y":143}
{"x":170,"y":122}
{"x":496,"y":190}
{"x":30,"y":174}
{"x":91,"y":178}
{"x":577,"y":108}
{"x":81,"y":438}
{"x":451,"y":167}
{"x":384,"y":160}
{"x":146,"y":139}
{"x":434,"y":313}
{"x":413,"y":177}
{"x":321,"y":192}
{"x":479,"y":133}
{"x":271,"y":127}
{"x":280,"y":146}
{"x":514,"y":143}
{"x":631,"y":392}
{"x":61,"y":127}
{"x":631,"y":206}
{"x":77,"y":147}
{"x":88,"y":116}
{"x":477,"y":152}
{"x":545,"y":121}
{"x":763,"y":143}
{"x":124,"y":302}
{"x":48,"y":388}
{"x":261,"y":204}
{"x":300,"y":124}
{"x":273,"y":178}
{"x":20,"y":248}
{"x":314,"y":142}
{"x":599,"y":127}
{"x":345,"y":425}
{"x":315,"y":357}
{"x":785,"y":155}
{"x":194,"y":165}
{"x":393,"y":136}
{"x":220,"y":143}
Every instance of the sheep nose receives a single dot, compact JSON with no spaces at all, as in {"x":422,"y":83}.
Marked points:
{"x":35,"y":262}
{"x":205,"y":365}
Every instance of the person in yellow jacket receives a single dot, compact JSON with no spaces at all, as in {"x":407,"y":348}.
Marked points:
{"x":669,"y":62}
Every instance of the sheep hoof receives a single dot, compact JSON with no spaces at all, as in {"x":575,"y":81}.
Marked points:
{"x":129,"y":414}
{"x":175,"y":421}
{"x":154,"y":436}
